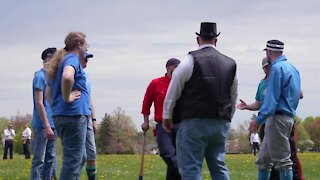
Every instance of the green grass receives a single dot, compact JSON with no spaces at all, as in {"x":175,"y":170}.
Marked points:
{"x":126,"y":167}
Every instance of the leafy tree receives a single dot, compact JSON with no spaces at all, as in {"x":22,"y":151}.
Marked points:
{"x":104,"y":134}
{"x":312,"y":126}
{"x":116,"y":134}
{"x":124,"y":132}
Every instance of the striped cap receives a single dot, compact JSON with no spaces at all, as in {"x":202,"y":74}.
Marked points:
{"x":274,"y":45}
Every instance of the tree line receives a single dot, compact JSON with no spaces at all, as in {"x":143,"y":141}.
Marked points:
{"x":117,"y":134}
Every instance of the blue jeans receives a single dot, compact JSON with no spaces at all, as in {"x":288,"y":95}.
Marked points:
{"x":72,"y":130}
{"x":90,"y":142}
{"x":44,"y":154}
{"x":198,"y":139}
{"x":167,"y":148}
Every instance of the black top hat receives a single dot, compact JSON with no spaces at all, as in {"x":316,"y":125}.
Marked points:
{"x":208,"y":29}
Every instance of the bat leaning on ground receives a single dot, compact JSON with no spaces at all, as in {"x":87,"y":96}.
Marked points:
{"x":142,"y":157}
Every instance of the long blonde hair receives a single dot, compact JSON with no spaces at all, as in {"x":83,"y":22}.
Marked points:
{"x":71,"y":41}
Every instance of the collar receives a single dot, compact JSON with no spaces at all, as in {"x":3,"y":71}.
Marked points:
{"x":280,"y":58}
{"x":206,"y":45}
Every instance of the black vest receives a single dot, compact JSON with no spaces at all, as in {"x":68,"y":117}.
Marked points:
{"x":208,"y":92}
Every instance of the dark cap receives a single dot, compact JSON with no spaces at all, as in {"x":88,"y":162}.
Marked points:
{"x":173,"y":62}
{"x":48,"y":53}
{"x":89,"y":55}
{"x":274,"y":45}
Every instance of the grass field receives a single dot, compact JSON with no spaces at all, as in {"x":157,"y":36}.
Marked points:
{"x":126,"y":167}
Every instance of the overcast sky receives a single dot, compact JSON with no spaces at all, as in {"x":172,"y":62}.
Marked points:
{"x":131,"y":41}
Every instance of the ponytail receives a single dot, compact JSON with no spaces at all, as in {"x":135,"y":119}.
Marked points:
{"x":52,"y":65}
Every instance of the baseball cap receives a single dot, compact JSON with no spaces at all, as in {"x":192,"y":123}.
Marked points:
{"x":265,"y":62}
{"x":48,"y":53}
{"x":274,"y":45}
{"x":173,"y":62}
{"x":89,"y":55}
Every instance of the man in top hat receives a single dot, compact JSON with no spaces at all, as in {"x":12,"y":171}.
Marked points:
{"x":9,"y":134}
{"x":277,"y":112}
{"x":203,"y":90}
{"x":91,"y":127}
{"x":155,"y":94}
{"x":44,"y":151}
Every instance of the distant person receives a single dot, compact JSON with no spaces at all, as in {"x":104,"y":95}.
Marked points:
{"x":255,"y":142}
{"x":277,"y":111}
{"x":203,"y":91}
{"x":26,"y":137}
{"x":155,"y":94}
{"x":70,"y":103}
{"x":9,"y":134}
{"x":44,"y":150}
{"x":260,"y":95}
{"x":91,"y":127}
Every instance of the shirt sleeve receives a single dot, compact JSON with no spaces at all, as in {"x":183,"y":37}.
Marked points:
{"x":74,"y":62}
{"x":272,"y":96}
{"x":148,"y":98}
{"x":39,"y":82}
{"x":234,"y":94}
{"x":180,"y":76}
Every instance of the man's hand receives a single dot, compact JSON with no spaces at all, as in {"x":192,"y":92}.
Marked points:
{"x":94,"y":126}
{"x":49,"y":133}
{"x":145,"y":126}
{"x":242,"y":105}
{"x":254,"y":125}
{"x":167,"y":125}
{"x":73,"y":96}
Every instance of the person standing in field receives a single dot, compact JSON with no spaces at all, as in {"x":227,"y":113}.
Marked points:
{"x":26,"y":137}
{"x":260,"y":95}
{"x":203,"y":91}
{"x":9,"y":134}
{"x":69,"y":97}
{"x":255,"y":142}
{"x":277,"y":111}
{"x":155,"y":94}
{"x":44,"y":150}
{"x":91,"y":127}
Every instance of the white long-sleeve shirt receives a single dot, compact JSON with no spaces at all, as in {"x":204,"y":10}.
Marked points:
{"x":9,"y":134}
{"x":26,"y":134}
{"x":180,"y":76}
{"x":254,"y":138}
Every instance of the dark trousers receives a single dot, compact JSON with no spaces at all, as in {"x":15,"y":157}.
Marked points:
{"x":255,"y":147}
{"x":296,"y":167}
{"x":26,"y":148}
{"x":8,"y":145}
{"x":167,"y":148}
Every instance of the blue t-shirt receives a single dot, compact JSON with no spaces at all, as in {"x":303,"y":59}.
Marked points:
{"x":261,"y":91}
{"x":39,"y":83}
{"x":80,"y":106}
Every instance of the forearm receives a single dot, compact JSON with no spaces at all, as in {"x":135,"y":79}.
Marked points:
{"x":67,"y":82}
{"x":43,"y":116}
{"x":254,"y":106}
{"x":93,"y":110}
{"x":66,"y":88}
{"x":146,"y":118}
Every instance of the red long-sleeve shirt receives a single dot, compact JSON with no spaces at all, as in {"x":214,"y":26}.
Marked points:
{"x":156,"y":92}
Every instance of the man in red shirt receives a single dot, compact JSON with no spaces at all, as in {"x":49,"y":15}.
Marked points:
{"x":156,"y":92}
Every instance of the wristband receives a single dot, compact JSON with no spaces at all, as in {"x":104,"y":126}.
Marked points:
{"x":94,"y":119}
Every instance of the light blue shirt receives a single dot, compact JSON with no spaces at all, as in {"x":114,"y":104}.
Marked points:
{"x":283,"y":90}
{"x":39,"y":83}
